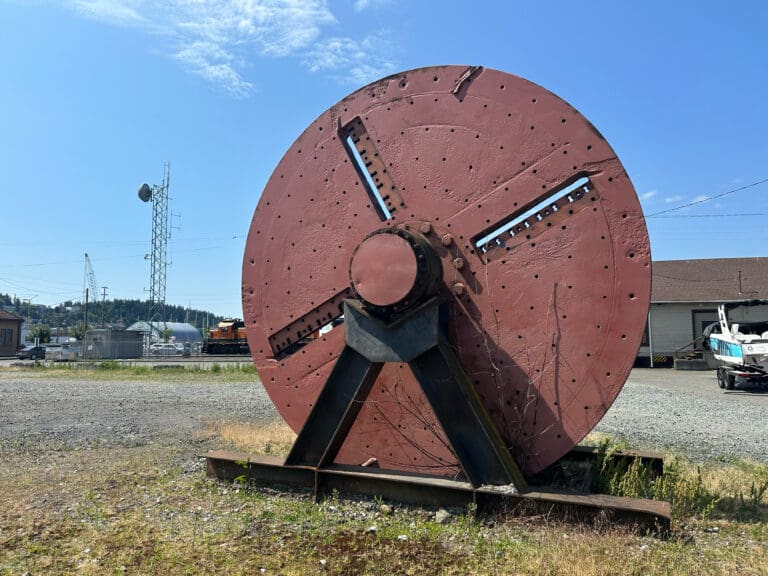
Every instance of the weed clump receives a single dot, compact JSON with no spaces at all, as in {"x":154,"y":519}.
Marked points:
{"x":681,"y":485}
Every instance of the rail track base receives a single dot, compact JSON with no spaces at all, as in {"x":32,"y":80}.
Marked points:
{"x":643,"y":515}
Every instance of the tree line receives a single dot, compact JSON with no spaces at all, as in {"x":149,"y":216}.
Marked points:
{"x":68,"y":318}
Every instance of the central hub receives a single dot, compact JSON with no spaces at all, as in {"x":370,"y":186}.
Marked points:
{"x":392,"y":270}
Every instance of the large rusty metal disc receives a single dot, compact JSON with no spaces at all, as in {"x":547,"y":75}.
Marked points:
{"x":545,"y":256}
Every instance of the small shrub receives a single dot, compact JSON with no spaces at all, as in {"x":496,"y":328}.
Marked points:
{"x":614,"y":476}
{"x":685,"y":490}
{"x":679,"y":485}
{"x":745,"y":491}
{"x":247,"y":368}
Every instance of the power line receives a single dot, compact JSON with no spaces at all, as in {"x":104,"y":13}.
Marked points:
{"x":714,"y":215}
{"x":752,"y":185}
{"x":24,"y":287}
{"x":124,"y":242}
{"x":142,"y":256}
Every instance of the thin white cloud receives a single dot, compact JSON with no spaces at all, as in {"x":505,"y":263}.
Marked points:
{"x":671,"y":199}
{"x":700,"y":198}
{"x":214,"y":64}
{"x":361,"y":5}
{"x":361,"y":61}
{"x":114,"y":11}
{"x":215,"y":39}
{"x":648,"y":195}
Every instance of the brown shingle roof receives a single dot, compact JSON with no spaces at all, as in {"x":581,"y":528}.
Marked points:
{"x":710,"y":280}
{"x":5,"y":315}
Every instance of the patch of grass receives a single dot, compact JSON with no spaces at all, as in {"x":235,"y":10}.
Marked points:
{"x":150,"y":510}
{"x":743,"y":486}
{"x":274,"y":438}
{"x":108,"y":365}
{"x":113,"y":369}
{"x":681,"y":484}
{"x":738,"y":491}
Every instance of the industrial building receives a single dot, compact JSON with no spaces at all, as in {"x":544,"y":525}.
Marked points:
{"x":178,"y":332}
{"x":111,"y":344}
{"x":685,"y":296}
{"x":10,"y":333}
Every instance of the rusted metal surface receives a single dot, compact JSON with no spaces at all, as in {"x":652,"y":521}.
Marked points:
{"x":394,"y":269}
{"x":383,"y":269}
{"x":548,"y":286}
{"x":323,"y":313}
{"x":653,"y":462}
{"x":374,"y":166}
{"x":427,"y":490}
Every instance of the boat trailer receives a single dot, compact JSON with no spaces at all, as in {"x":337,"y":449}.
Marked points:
{"x":740,"y":347}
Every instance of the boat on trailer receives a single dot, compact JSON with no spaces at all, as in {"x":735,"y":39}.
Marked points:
{"x":741,"y":347}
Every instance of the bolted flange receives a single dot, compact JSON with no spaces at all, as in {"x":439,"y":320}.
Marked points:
{"x":392,"y":270}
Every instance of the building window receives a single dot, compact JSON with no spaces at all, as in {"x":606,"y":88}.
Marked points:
{"x":6,"y":337}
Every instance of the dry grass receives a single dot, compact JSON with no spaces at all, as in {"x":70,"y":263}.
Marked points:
{"x":274,"y":438}
{"x":150,"y":510}
{"x":110,"y":370}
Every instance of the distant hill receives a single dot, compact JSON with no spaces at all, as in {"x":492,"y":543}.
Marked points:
{"x":116,"y":313}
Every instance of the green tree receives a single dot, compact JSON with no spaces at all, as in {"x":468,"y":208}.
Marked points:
{"x":78,"y":331}
{"x":41,"y":333}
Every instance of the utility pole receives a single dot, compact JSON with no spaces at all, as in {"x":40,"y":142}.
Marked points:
{"x":103,"y":302}
{"x":29,"y":311}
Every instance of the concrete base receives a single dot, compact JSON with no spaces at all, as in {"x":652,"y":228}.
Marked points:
{"x":691,"y":364}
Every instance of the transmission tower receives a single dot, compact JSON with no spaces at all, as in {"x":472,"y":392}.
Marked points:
{"x":158,"y":194}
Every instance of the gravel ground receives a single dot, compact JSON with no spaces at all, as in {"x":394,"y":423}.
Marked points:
{"x":658,"y":409}
{"x":38,"y":412}
{"x":687,"y":413}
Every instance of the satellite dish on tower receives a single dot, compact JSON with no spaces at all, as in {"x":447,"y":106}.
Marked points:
{"x":145,"y":192}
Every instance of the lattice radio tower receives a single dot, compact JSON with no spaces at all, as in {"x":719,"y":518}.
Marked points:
{"x":158,"y":194}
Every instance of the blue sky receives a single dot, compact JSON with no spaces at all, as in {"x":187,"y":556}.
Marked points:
{"x":95,"y":95}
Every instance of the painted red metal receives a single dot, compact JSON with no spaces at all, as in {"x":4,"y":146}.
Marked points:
{"x":383,"y":269}
{"x":546,"y":323}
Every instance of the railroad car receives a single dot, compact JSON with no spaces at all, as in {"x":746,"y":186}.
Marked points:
{"x":227,"y":338}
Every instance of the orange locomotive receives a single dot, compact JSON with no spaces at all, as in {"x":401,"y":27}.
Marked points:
{"x":227,"y":338}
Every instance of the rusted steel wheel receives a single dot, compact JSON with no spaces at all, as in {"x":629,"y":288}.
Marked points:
{"x":543,"y":247}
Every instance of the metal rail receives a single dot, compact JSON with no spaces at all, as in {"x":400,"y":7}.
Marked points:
{"x":640,"y":514}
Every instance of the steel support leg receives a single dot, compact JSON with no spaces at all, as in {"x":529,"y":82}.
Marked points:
{"x":471,"y":432}
{"x":335,"y":410}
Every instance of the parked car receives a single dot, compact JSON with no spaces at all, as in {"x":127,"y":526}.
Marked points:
{"x":164,"y":349}
{"x":31,"y":352}
{"x":62,"y":352}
